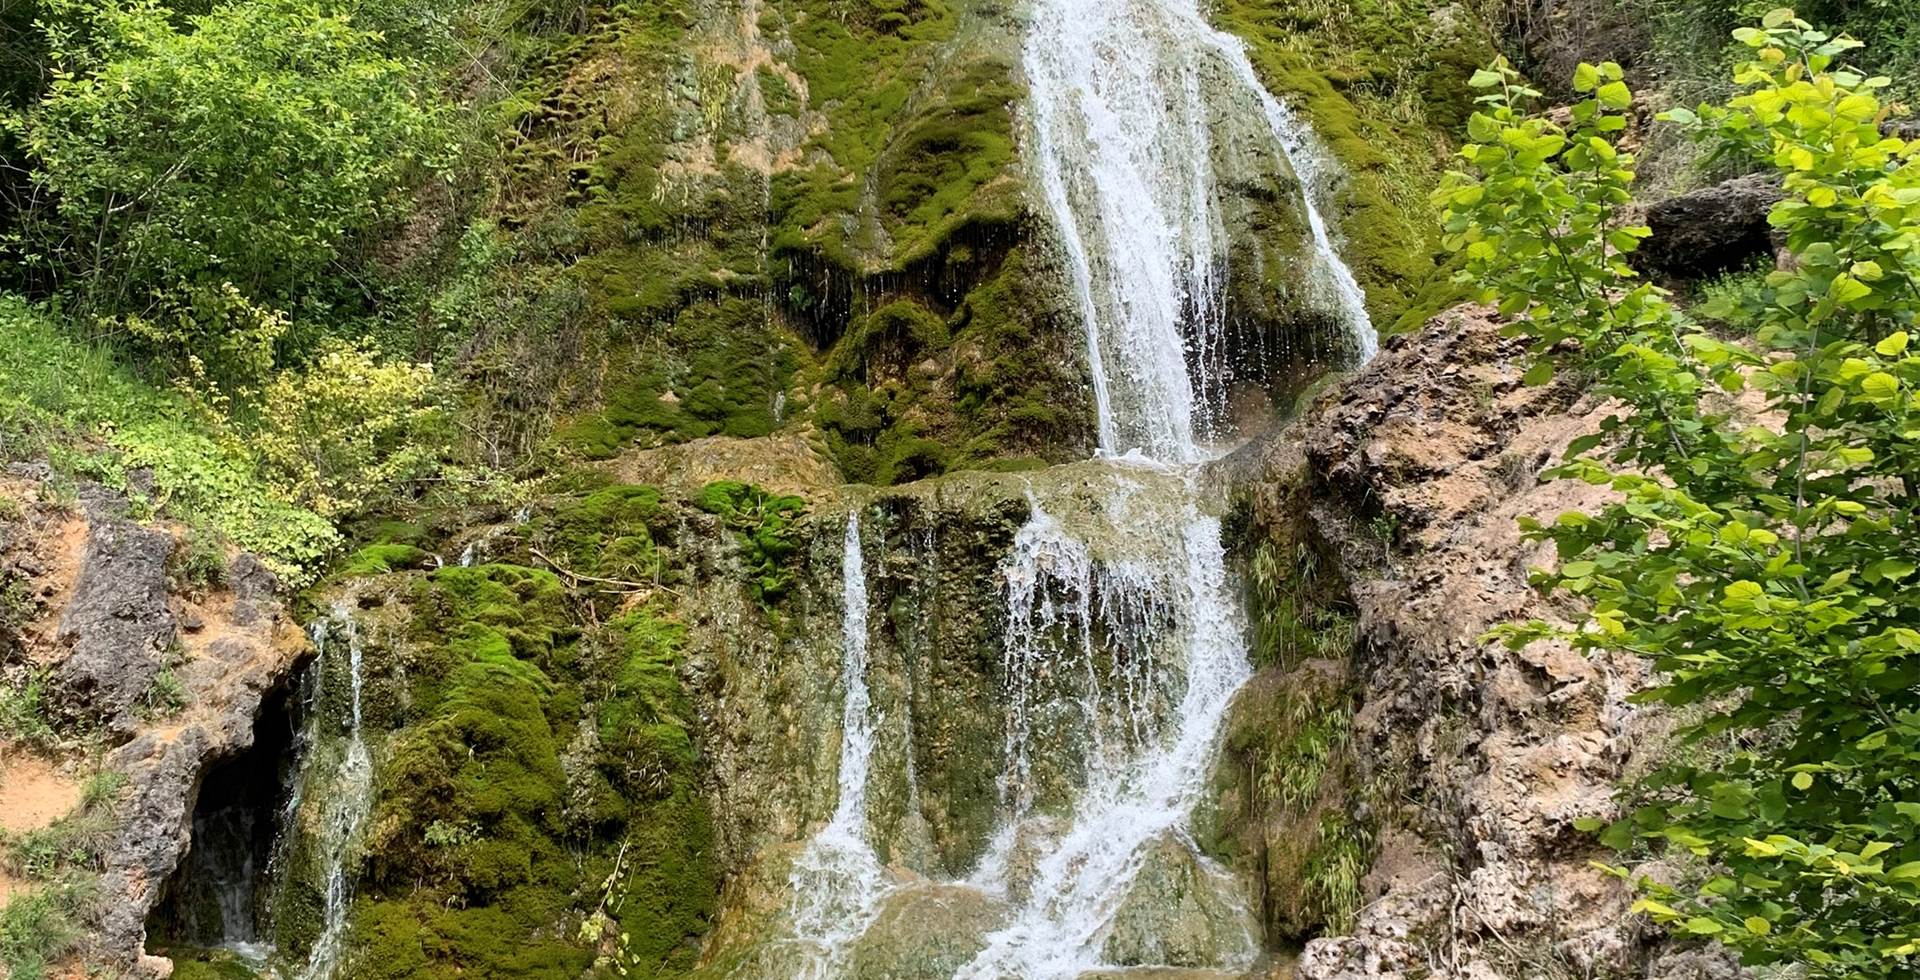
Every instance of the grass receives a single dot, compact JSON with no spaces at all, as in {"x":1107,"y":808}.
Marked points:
{"x":74,"y":404}
{"x":40,"y":924}
{"x":36,"y":929}
{"x":23,"y":712}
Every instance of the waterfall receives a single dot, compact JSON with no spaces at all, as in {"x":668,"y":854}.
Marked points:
{"x":1124,"y":149}
{"x":838,"y":882}
{"x":1124,"y":153}
{"x":348,"y":798}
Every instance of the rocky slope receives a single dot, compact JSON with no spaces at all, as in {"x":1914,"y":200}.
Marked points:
{"x":1391,"y":508}
{"x":145,"y":661}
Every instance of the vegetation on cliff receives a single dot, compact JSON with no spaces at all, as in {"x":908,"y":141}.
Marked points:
{"x":1760,"y":558}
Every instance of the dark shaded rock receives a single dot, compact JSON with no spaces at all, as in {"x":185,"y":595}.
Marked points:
{"x":1709,"y":232}
{"x":117,"y":627}
{"x":255,"y":589}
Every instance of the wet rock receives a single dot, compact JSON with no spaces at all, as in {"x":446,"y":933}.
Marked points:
{"x":926,"y":932}
{"x":1708,"y":232}
{"x":1181,"y":911}
{"x":1163,"y":973}
{"x":117,"y":626}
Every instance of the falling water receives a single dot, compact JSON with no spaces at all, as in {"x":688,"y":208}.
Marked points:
{"x":1125,"y":155}
{"x":1124,"y":146}
{"x":347,"y":802}
{"x":838,"y":882}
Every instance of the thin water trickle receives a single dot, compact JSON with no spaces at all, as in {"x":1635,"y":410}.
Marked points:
{"x":348,"y":800}
{"x":838,"y":882}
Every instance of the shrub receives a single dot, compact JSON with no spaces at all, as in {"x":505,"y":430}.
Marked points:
{"x":1765,"y":570}
{"x":70,"y":401}
{"x":243,"y":145}
{"x":348,"y":425}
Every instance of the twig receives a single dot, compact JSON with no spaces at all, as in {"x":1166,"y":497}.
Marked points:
{"x":577,"y":578}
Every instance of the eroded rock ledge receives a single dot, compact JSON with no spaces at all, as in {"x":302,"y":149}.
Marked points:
{"x":1466,"y":762}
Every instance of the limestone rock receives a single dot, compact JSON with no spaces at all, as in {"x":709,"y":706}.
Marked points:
{"x":1181,"y":911}
{"x":117,"y":626}
{"x":1409,"y":482}
{"x":926,"y":932}
{"x":1718,"y":229}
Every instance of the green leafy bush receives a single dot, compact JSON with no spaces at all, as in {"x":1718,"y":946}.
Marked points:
{"x":243,"y":145}
{"x":333,"y":434}
{"x":1763,"y":565}
{"x":71,"y":401}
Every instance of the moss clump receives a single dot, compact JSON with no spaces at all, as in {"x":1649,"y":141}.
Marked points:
{"x":720,"y":368}
{"x":541,"y":774}
{"x":378,"y":559}
{"x":913,"y":395}
{"x":763,"y":525}
{"x":209,"y":964}
{"x":609,"y":533}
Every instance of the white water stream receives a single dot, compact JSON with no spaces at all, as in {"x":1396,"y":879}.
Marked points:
{"x":1125,"y":97}
{"x":838,"y":882}
{"x":1125,"y":641}
{"x":348,"y":800}
{"x":1123,"y":94}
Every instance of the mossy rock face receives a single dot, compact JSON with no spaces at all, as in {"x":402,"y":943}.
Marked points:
{"x":1384,"y":85}
{"x":538,"y":789}
{"x":813,"y":199}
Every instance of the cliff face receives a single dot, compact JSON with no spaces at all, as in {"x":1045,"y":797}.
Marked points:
{"x":753,"y":269}
{"x":1393,"y":505}
{"x":141,"y":661}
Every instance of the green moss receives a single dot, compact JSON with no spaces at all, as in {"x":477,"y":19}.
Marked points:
{"x":209,"y":964}
{"x":763,"y":525}
{"x":499,"y":826}
{"x":720,"y":368}
{"x":608,"y":533}
{"x":1384,"y":84}
{"x":379,"y":559}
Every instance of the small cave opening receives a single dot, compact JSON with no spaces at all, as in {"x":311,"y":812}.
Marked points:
{"x":220,"y":897}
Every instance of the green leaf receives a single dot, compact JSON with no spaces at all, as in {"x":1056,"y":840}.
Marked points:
{"x":1757,"y":925}
{"x":1889,"y":570}
{"x":1484,"y":79}
{"x":1585,"y":77}
{"x":1847,"y":289}
{"x":1803,"y":781}
{"x":1700,"y":925}
{"x":1539,"y":373}
{"x":1615,"y":95}
{"x":1880,"y":385}
{"x":1893,"y":345}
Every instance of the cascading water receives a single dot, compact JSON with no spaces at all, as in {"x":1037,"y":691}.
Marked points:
{"x":1123,"y":148}
{"x":348,"y":796}
{"x":1126,"y":164}
{"x":1124,"y":641}
{"x":838,"y":882}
